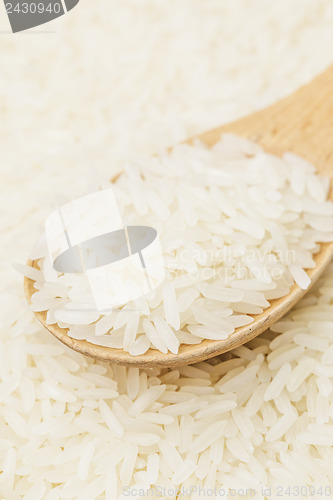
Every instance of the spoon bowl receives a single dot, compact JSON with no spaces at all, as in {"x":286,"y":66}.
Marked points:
{"x":302,"y":124}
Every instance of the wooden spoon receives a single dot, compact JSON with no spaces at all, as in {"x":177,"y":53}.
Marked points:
{"x":302,"y":124}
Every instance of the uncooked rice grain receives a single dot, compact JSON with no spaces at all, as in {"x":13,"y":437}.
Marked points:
{"x":253,"y":54}
{"x":221,"y":267}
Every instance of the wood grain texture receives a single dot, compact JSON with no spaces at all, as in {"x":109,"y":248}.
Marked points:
{"x":303,"y":124}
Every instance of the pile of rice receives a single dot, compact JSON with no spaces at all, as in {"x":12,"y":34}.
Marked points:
{"x":237,"y":226}
{"x":261,"y":415}
{"x":119,"y":78}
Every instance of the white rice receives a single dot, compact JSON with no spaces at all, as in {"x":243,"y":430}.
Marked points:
{"x":242,"y":248}
{"x":151,"y":81}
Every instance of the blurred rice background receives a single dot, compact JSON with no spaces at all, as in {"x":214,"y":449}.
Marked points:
{"x":117,"y":78}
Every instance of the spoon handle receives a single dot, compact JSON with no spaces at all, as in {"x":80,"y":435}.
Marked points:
{"x":301,"y":123}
